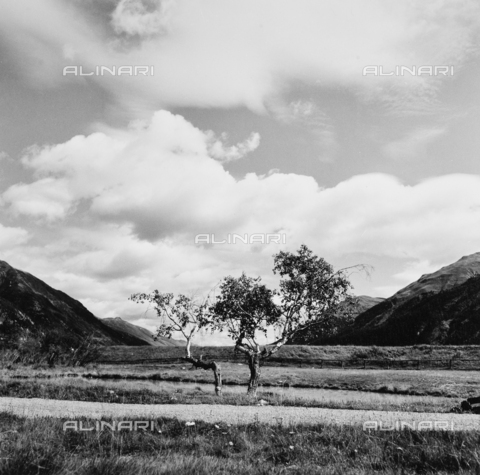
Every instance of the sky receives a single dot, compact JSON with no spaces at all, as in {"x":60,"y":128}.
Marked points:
{"x":288,"y":117}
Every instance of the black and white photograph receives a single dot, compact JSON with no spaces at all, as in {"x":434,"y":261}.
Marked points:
{"x":239,"y":237}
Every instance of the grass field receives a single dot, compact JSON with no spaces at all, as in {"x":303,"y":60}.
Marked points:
{"x":456,"y":384}
{"x":293,"y":354}
{"x":145,"y":392}
{"x":41,"y":446}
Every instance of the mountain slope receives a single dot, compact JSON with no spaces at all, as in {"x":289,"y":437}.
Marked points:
{"x":364,"y":302}
{"x":443,"y":279}
{"x":314,"y":336}
{"x":390,"y":321}
{"x":28,"y":304}
{"x":140,"y":332}
{"x":450,"y":317}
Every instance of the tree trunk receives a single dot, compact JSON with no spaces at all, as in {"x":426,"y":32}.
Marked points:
{"x":254,"y":365}
{"x":214,"y":366}
{"x":217,"y":373}
{"x":187,"y":348}
{"x":52,"y":357}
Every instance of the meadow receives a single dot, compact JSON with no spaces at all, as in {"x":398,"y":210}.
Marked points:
{"x":41,"y":446}
{"x":424,"y":382}
{"x":459,"y":357}
{"x":148,"y":392}
{"x":159,"y":376}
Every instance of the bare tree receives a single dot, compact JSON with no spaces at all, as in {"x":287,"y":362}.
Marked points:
{"x":186,"y":316}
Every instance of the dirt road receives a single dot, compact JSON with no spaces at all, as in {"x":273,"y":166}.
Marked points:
{"x":237,"y":414}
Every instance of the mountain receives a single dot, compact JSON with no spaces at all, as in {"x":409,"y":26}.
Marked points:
{"x":29,"y":305}
{"x":364,"y":302}
{"x":450,"y":317}
{"x":431,"y":310}
{"x":443,"y":279}
{"x":139,"y":332}
{"x":313,"y":336}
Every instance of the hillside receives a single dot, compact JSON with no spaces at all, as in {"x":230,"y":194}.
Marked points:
{"x":434,"y":309}
{"x":444,"y":279}
{"x":140,"y":333}
{"x":363,"y":303}
{"x":29,"y":305}
{"x":450,"y":317}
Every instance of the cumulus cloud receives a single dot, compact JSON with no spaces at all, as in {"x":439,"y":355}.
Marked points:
{"x":162,"y":182}
{"x":161,"y":178}
{"x":47,"y":199}
{"x":124,"y":207}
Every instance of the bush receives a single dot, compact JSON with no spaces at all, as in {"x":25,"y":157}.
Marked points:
{"x":47,"y":349}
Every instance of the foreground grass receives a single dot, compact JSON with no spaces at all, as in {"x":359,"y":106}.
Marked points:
{"x":126,"y":392}
{"x":40,"y":446}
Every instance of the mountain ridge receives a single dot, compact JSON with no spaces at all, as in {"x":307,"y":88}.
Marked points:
{"x":444,"y":278}
{"x":382,"y":323}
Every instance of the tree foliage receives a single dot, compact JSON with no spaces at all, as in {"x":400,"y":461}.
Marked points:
{"x":310,"y":293}
{"x":182,"y":314}
{"x":244,"y":308}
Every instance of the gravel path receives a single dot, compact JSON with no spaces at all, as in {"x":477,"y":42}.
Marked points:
{"x":235,"y":414}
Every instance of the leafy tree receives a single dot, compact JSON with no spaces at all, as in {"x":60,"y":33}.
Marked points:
{"x":245,"y":309}
{"x":310,"y":294}
{"x":185,"y":315}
